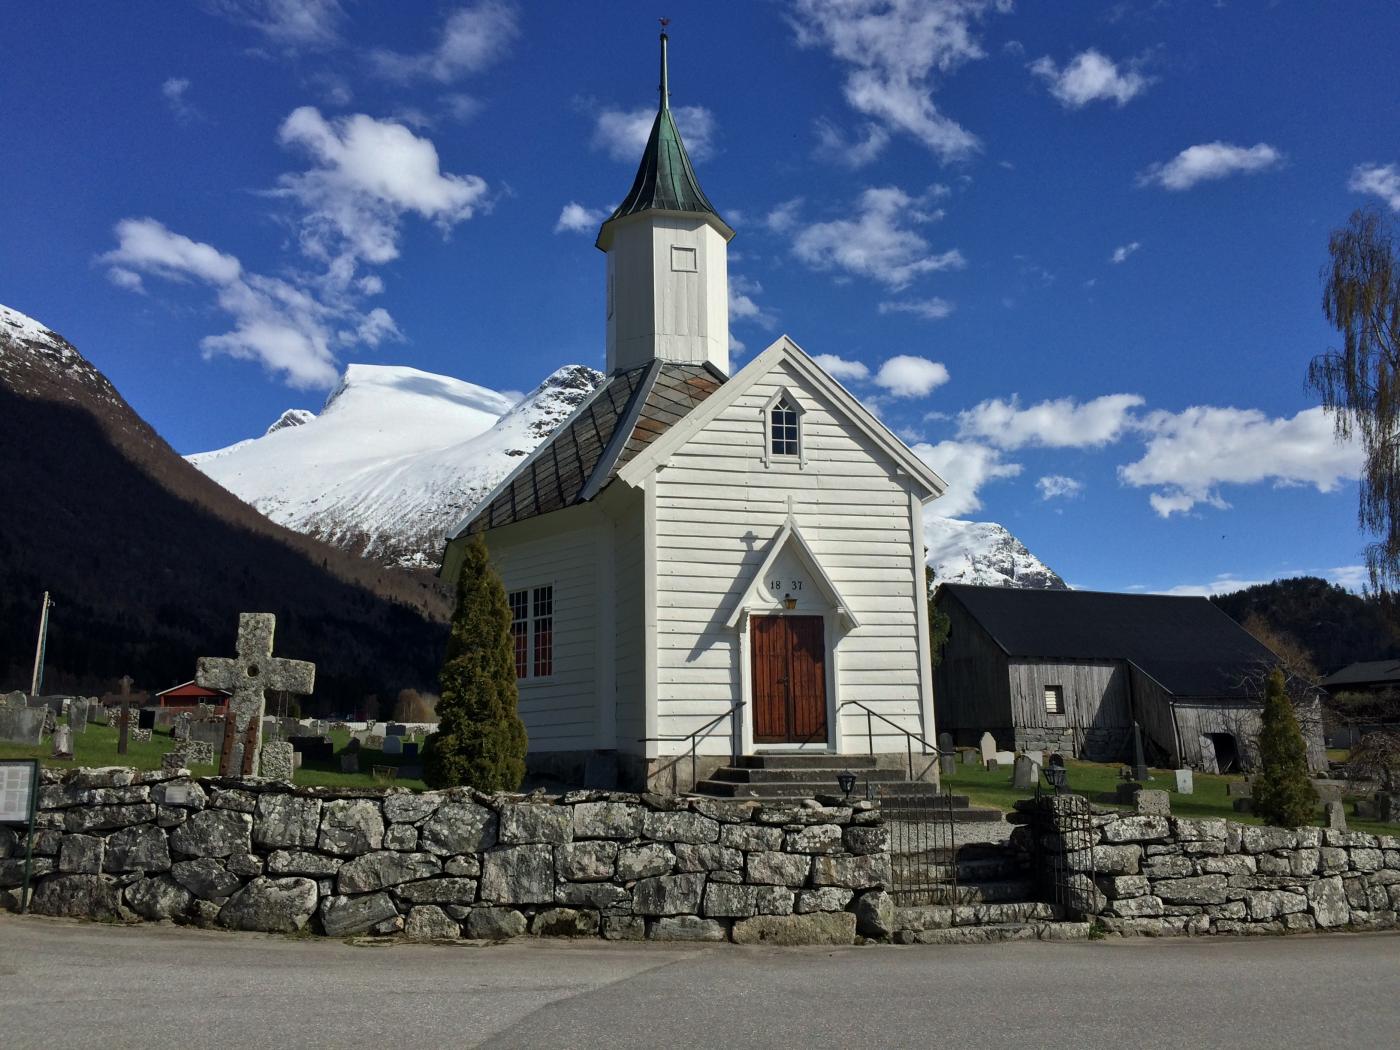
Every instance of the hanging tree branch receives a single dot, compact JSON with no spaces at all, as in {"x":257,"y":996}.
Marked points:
{"x":1360,"y":383}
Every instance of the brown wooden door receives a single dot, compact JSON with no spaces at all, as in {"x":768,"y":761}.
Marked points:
{"x":789,"y":679}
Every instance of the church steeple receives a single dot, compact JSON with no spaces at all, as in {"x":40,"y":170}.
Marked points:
{"x":668,"y":284}
{"x":665,"y":178}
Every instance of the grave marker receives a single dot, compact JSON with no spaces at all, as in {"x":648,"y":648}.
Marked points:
{"x":987,"y":746}
{"x":1026,"y":772}
{"x":22,"y":725}
{"x":62,"y":742}
{"x":1336,"y":816}
{"x":78,"y":715}
{"x":393,"y":745}
{"x":1185,"y":782}
{"x":247,"y":677}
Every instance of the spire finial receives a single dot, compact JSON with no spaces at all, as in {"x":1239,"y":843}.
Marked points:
{"x":665,"y":74}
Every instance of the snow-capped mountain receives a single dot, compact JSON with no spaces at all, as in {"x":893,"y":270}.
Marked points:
{"x":398,"y":456}
{"x":395,"y":458}
{"x":984,"y":553}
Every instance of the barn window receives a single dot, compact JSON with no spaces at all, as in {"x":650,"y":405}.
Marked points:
{"x":532,"y":631}
{"x":782,"y":428}
{"x":1054,"y":700}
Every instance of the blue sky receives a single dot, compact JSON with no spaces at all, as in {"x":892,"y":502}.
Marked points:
{"x":1070,"y":252}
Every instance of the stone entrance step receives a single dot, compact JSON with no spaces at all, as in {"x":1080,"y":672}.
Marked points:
{"x":812,"y":760}
{"x":1017,"y":931}
{"x":997,"y":891}
{"x":941,"y":916}
{"x":778,"y":774}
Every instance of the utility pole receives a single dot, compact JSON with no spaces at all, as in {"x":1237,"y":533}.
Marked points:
{"x":37,"y":682}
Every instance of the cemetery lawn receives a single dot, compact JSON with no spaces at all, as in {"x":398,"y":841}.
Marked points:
{"x":1099,"y":780}
{"x":98,"y":747}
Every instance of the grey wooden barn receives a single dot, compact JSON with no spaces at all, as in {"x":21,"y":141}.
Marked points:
{"x":1071,"y":671}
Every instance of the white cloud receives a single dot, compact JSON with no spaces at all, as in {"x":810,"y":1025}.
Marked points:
{"x":294,"y":25}
{"x":368,"y":173}
{"x":1381,"y":179}
{"x":1058,"y":486}
{"x":784,"y":216}
{"x":909,"y":376}
{"x":127,"y":280}
{"x":1352,"y":577}
{"x":1191,"y":453}
{"x":835,"y":144}
{"x":1061,"y":423}
{"x":1121,"y":253}
{"x":892,"y":49}
{"x":880,"y":243}
{"x":842,"y":369}
{"x":575,"y":218}
{"x":741,"y":302}
{"x":1210,"y":160}
{"x":1225,"y":583}
{"x":623,"y":133}
{"x":1090,"y":76}
{"x":285,"y":328}
{"x":934,"y":309}
{"x":174,"y":90}
{"x":473,"y":39}
{"x":966,"y":467}
{"x":736,"y":346}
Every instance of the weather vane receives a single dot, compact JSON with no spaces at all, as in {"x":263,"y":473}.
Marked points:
{"x":664,"y":23}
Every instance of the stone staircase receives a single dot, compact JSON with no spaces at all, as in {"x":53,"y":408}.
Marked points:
{"x":991,"y":901}
{"x":778,"y":777}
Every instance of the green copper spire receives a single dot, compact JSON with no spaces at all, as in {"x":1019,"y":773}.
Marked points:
{"x":665,"y":180}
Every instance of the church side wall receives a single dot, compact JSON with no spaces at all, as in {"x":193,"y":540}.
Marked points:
{"x":559,"y":550}
{"x":718,"y":507}
{"x":630,"y":658}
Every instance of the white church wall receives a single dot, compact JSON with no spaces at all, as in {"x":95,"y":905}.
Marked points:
{"x":718,"y":508}
{"x":629,"y":651}
{"x":562,"y":550}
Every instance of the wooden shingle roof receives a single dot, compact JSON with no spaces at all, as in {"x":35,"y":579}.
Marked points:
{"x":630,"y":411}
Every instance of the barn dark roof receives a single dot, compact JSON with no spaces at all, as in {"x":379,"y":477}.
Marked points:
{"x":1187,"y":645}
{"x":1368,"y":672}
{"x":627,"y":413}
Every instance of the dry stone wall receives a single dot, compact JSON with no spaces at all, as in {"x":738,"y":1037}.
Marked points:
{"x":1154,"y":874}
{"x":251,"y":854}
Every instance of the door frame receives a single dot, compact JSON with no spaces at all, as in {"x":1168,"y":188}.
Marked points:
{"x":831,"y":634}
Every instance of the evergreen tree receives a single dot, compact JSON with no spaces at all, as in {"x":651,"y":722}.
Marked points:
{"x":480,"y":739}
{"x":1283,"y":794}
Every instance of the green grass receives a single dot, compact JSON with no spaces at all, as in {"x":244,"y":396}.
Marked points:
{"x":98,"y":747}
{"x":1101,"y":778}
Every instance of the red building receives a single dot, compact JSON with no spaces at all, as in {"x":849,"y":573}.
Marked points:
{"x":188,"y":694}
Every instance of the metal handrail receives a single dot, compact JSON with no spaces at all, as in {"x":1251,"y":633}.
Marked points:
{"x":909,"y":737}
{"x":699,"y":735}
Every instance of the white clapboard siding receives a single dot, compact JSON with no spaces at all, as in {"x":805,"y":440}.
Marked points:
{"x":629,"y":647}
{"x":561,"y":550}
{"x":718,"y":508}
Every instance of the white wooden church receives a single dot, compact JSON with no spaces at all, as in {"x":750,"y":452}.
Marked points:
{"x":694,"y":559}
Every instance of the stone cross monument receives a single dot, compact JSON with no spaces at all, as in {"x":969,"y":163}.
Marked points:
{"x":247,"y":677}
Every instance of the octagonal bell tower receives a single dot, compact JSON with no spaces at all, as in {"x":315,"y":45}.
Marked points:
{"x":668,"y":259}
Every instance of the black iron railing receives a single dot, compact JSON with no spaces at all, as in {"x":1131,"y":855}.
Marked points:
{"x":696,"y":737}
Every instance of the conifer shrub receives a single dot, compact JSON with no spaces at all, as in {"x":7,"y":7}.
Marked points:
{"x":480,"y":740}
{"x":1283,"y":794}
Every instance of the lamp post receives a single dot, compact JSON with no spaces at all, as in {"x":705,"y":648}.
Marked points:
{"x":847,"y":780}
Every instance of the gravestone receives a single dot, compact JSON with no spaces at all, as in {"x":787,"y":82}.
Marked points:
{"x":971,"y":757}
{"x":174,"y":760}
{"x":1238,"y":789}
{"x":374,"y":742}
{"x":1025,"y":773}
{"x":1388,"y":807}
{"x":1185,"y":782}
{"x":947,"y":757}
{"x":141,"y":736}
{"x":247,"y":677}
{"x":393,"y":745}
{"x":15,"y":699}
{"x":78,"y":715}
{"x":296,"y":760}
{"x":22,"y":725}
{"x":988,"y":747}
{"x":410,"y":750}
{"x":277,"y":761}
{"x":63,"y":742}
{"x":199,"y":753}
{"x":207,"y":731}
{"x":1336,"y":816}
{"x":1005,"y":758}
{"x":349,"y":761}
{"x":146,"y":718}
{"x":180,"y":728}
{"x":397,"y":729}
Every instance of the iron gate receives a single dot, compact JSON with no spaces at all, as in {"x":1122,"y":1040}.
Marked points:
{"x":923,"y":845}
{"x":1064,"y":853}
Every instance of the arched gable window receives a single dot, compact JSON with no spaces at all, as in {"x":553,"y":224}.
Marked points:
{"x":782,"y":428}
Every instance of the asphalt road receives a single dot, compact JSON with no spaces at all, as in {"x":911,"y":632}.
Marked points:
{"x":78,"y":985}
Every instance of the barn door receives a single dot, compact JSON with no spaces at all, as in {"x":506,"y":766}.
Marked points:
{"x":789,"y":679}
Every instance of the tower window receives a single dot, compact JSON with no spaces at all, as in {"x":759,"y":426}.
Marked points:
{"x":682,"y":259}
{"x":782,"y":428}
